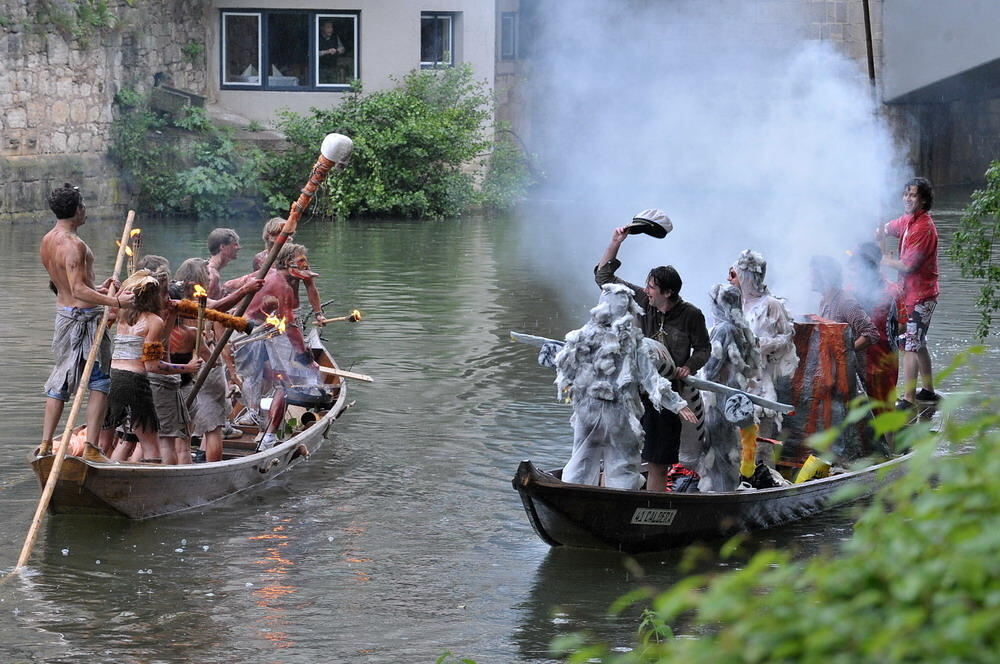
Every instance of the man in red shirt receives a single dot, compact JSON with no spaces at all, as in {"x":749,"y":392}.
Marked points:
{"x":918,"y":271}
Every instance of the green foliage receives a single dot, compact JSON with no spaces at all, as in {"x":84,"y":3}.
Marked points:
{"x":254,"y":126}
{"x":508,"y":172}
{"x":193,"y":118}
{"x":78,"y":19}
{"x":128,"y":98}
{"x":918,"y":582}
{"x":417,"y":148}
{"x":975,"y":245}
{"x":193,"y":50}
{"x":182,"y":165}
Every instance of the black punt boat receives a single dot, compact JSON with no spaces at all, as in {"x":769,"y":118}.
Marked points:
{"x":821,"y":390}
{"x":578,"y":515}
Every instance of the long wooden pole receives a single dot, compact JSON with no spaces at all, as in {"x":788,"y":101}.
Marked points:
{"x":336,"y":151}
{"x":60,"y":453}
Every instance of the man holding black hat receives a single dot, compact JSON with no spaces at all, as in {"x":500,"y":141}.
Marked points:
{"x":678,"y":325}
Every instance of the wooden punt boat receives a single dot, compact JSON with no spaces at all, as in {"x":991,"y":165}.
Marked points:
{"x":822,"y":389}
{"x":578,"y":515}
{"x":146,"y":490}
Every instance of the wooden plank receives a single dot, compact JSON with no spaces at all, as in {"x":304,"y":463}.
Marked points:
{"x":347,"y":374}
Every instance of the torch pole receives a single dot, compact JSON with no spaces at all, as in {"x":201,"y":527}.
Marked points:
{"x":336,"y":150}
{"x":202,"y":301}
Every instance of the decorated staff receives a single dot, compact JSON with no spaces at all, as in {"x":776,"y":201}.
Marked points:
{"x":201,"y":297}
{"x":335,"y":151}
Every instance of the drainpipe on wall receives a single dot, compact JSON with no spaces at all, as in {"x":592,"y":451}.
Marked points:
{"x":868,"y":42}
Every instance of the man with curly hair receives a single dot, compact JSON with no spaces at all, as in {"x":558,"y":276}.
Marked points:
{"x":918,"y":274}
{"x":79,"y":306}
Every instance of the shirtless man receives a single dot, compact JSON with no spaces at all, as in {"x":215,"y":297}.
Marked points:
{"x":223,"y":247}
{"x":70,"y":265}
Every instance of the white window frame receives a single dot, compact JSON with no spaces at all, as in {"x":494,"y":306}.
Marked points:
{"x":260,"y":49}
{"x":357,"y":54}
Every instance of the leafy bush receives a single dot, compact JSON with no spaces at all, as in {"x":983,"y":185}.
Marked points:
{"x":417,"y":150}
{"x":182,"y":165}
{"x":973,"y":246}
{"x":918,"y":582}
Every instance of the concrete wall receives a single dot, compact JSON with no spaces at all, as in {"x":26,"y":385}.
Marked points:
{"x":56,"y":92}
{"x":390,"y":48}
{"x":927,"y":41}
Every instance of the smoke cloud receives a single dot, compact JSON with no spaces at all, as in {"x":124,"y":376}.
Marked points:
{"x":748,"y":133}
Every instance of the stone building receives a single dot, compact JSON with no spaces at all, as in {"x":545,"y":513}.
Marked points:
{"x":61,"y":69}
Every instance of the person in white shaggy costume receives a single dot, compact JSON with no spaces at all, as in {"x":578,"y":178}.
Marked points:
{"x":602,"y":369}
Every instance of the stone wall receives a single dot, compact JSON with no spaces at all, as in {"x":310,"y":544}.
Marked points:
{"x":57,"y":90}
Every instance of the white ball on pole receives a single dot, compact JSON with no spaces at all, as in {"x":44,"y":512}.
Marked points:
{"x":337,"y":148}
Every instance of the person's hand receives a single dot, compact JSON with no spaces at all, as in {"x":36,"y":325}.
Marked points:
{"x":125,"y":299}
{"x":682,"y":372}
{"x":319,"y":320}
{"x":108,"y":283}
{"x":194,"y":366}
{"x":687,"y":415}
{"x":340,"y":51}
{"x":253,"y":285}
{"x":618,"y":235}
{"x":879,"y":234}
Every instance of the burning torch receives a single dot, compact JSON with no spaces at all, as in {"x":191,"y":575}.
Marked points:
{"x":201,"y":296}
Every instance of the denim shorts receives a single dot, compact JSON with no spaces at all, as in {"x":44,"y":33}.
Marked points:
{"x":99,"y":381}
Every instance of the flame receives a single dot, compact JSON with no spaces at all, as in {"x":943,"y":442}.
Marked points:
{"x":200,"y":292}
{"x":134,"y":232}
{"x":128,"y":249}
{"x":355,"y":316}
{"x":275,"y":322}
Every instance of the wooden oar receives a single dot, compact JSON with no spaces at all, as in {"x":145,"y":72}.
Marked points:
{"x":347,"y":374}
{"x":335,"y":151}
{"x":60,"y":453}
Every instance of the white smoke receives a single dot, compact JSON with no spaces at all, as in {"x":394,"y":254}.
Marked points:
{"x":748,"y":134}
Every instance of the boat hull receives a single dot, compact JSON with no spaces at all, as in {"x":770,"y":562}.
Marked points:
{"x":576,"y":515}
{"x":144,"y":490}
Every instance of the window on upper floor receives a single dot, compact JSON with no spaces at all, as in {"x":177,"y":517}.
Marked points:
{"x":437,"y":39}
{"x":508,"y":36}
{"x":289,"y":50}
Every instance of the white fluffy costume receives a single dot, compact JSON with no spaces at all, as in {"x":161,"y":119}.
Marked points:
{"x":770,"y":321}
{"x":602,"y":368}
{"x":735,"y":362}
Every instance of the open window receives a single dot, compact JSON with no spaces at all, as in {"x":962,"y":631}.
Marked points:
{"x":289,"y":50}
{"x":437,"y":39}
